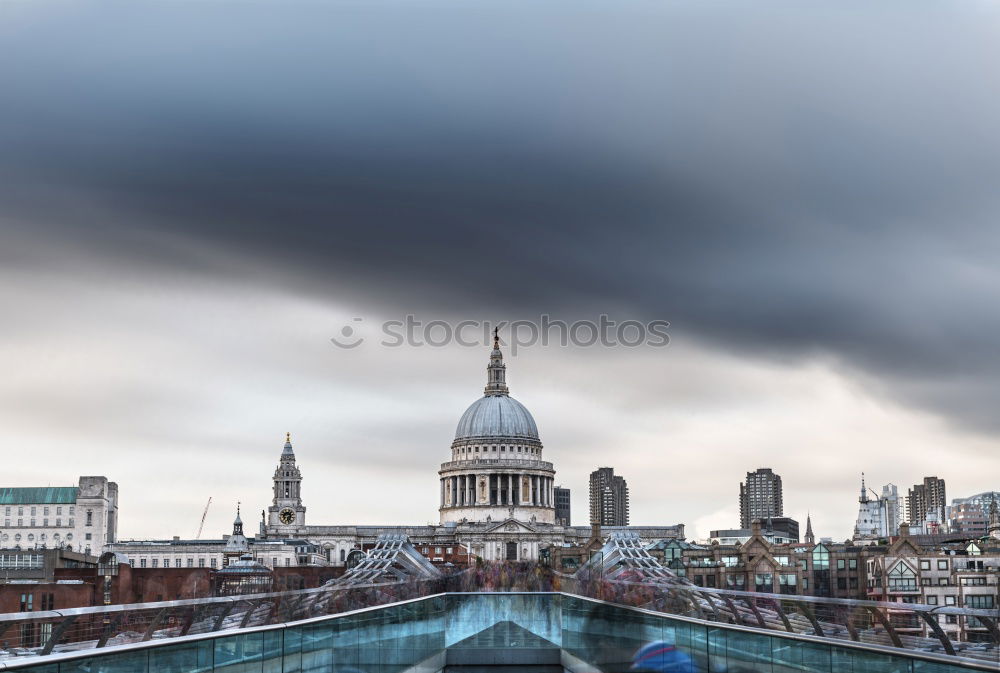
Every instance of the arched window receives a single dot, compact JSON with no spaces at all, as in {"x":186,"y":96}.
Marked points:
{"x":343,"y":555}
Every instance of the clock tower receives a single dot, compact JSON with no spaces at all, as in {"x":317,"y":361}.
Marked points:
{"x":286,"y":514}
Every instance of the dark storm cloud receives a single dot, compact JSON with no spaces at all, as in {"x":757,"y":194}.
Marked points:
{"x":781,"y":179}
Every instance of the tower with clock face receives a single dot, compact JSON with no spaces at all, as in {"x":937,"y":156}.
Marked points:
{"x":286,"y":514}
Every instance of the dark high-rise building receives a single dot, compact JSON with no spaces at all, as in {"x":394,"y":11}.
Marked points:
{"x":562,"y":506}
{"x":760,"y":497}
{"x":608,"y":498}
{"x":926,"y":502}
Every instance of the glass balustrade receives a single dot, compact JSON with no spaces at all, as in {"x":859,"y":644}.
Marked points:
{"x":428,"y":634}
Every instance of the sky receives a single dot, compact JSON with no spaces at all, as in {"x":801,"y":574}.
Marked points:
{"x":196,"y":197}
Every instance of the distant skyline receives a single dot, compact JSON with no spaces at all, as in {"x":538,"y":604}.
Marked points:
{"x":192,"y":206}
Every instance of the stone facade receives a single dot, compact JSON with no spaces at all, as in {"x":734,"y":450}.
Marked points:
{"x":83,"y":518}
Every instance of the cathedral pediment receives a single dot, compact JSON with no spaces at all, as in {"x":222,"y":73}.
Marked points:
{"x":511,"y":526}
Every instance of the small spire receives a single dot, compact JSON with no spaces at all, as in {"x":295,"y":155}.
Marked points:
{"x":287,"y":451}
{"x":238,"y":522}
{"x":496,"y":371}
{"x":864,"y":491}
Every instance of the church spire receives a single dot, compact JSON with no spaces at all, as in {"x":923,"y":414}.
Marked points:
{"x":864,"y":491}
{"x":810,"y":538}
{"x":238,"y":522}
{"x":496,"y":371}
{"x":993,"y":526}
{"x":287,"y":451}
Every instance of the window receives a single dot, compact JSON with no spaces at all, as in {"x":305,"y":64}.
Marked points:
{"x":26,"y":602}
{"x":288,"y":561}
{"x":201,"y":561}
{"x":925,"y":564}
{"x":981,"y":602}
{"x":852,"y":564}
{"x":58,"y":522}
{"x":932,"y":600}
{"x":212,"y":561}
{"x":736,"y":581}
{"x":902,"y":578}
{"x":853,"y":582}
{"x":781,"y":560}
{"x":71,"y":521}
{"x":841,"y":564}
{"x":343,"y":555}
{"x":805,"y":583}
{"x":90,"y":518}
{"x":764,"y":582}
{"x":155,"y":562}
{"x":804,"y":564}
{"x":943,"y":564}
{"x":949,"y":600}
{"x":142,"y":563}
{"x":166,"y":563}
{"x":925,"y":581}
{"x":34,"y":511}
{"x":45,"y":512}
{"x":71,"y":508}
{"x":448,"y":550}
{"x":274,"y":561}
{"x":58,"y":510}
{"x":730,"y":561}
{"x":842,"y":583}
{"x":88,"y":536}
{"x":942,"y":581}
{"x":951,"y":619}
{"x":437,"y":550}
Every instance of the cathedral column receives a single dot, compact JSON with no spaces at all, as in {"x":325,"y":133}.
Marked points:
{"x":442,"y":491}
{"x":534,"y":489}
{"x":510,"y":489}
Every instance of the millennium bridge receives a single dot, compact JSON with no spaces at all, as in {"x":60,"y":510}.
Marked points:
{"x":394,"y":612}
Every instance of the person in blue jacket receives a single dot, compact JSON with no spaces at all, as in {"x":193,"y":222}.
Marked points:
{"x":661,"y":657}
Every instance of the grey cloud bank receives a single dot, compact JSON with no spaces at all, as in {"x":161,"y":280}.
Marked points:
{"x":780,"y":181}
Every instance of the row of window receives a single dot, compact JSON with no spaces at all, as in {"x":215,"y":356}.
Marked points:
{"x":42,"y":537}
{"x":981,"y":602}
{"x":189,"y":562}
{"x":32,"y":524}
{"x":34,"y":510}
{"x":503,"y":449}
{"x":21,"y":561}
{"x":48,"y":602}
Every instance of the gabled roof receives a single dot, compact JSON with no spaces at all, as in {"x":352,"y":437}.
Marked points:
{"x":43,"y":495}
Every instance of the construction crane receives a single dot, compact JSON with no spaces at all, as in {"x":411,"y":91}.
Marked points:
{"x":203,"y":515}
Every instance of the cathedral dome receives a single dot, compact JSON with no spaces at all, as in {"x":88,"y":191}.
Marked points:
{"x":496,"y":416}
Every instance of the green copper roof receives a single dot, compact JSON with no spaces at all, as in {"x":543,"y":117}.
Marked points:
{"x":54,"y":495}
